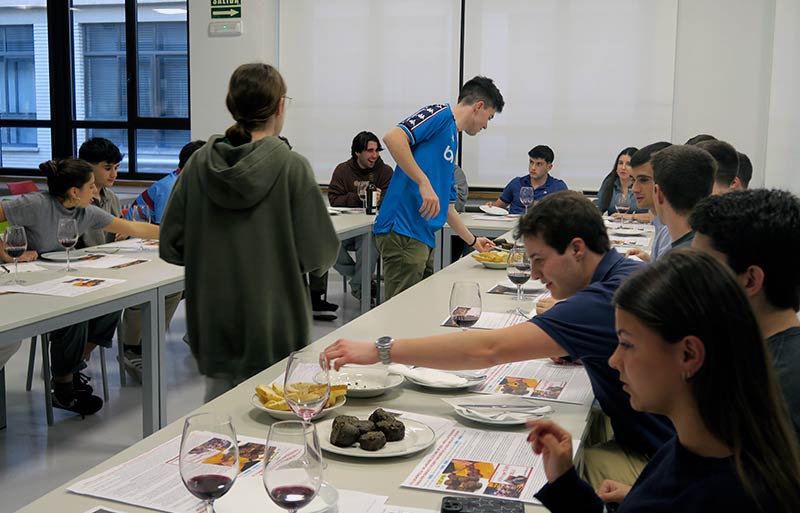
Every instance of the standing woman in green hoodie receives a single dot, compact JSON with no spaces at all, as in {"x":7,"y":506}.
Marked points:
{"x":247,"y":220}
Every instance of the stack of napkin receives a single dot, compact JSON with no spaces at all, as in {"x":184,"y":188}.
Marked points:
{"x":432,"y":377}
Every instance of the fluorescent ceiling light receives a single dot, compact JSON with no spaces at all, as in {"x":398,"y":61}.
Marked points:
{"x":170,"y":11}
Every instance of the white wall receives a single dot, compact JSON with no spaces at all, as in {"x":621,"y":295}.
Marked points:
{"x":213,"y":59}
{"x":783,"y":136}
{"x":736,"y":75}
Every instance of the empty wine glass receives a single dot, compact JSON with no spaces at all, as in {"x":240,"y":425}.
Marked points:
{"x":67,"y":236}
{"x":623,"y":204}
{"x":209,"y":457}
{"x":15,"y":244}
{"x":293,"y":474}
{"x":526,"y":197}
{"x":142,"y":214}
{"x":307,"y":383}
{"x":361,"y":188}
{"x":519,"y":272}
{"x":465,"y":303}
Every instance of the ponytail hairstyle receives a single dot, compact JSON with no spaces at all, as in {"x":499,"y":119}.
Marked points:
{"x":736,"y":391}
{"x":607,"y":188}
{"x":254,"y":95}
{"x":65,"y":174}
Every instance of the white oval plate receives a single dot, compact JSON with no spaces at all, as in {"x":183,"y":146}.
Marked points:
{"x":61,"y":256}
{"x":418,"y":437}
{"x":365,"y":382}
{"x":471,"y":382}
{"x":494,"y":265}
{"x":494,"y":211}
{"x":467,"y":414}
{"x":528,"y":286}
{"x":628,"y":232}
{"x":248,"y":494}
{"x":290,"y":415}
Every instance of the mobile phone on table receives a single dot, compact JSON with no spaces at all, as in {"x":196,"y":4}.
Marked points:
{"x":466,"y":504}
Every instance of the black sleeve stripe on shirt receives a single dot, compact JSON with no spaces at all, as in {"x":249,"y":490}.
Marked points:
{"x":421,"y":116}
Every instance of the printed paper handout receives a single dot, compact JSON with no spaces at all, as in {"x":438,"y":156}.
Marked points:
{"x":539,"y":379}
{"x":477,"y":462}
{"x":67,"y":286}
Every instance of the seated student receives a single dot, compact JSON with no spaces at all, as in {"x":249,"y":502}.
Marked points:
{"x":745,"y":172}
{"x":364,"y":165}
{"x":462,"y":189}
{"x":70,"y":184}
{"x":643,"y":185}
{"x":692,"y":141}
{"x":540,"y":162}
{"x":725,"y":179}
{"x":690,"y":349}
{"x":571,"y":255}
{"x":617,"y":184}
{"x":104,"y":157}
{"x":683,"y":175}
{"x":757,"y":234}
{"x":155,"y":199}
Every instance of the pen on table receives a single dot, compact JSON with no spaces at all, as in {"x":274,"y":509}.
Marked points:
{"x":5,"y":268}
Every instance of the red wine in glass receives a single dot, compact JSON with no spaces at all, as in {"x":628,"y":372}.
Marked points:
{"x":208,"y":487}
{"x":15,"y":243}
{"x":465,"y":317}
{"x":292,"y":496}
{"x":465,"y":303}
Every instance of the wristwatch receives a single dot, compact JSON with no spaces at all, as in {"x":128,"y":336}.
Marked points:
{"x":384,"y":346}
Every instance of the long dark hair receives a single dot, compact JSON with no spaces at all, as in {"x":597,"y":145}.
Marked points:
{"x":65,"y":174}
{"x":690,"y":293}
{"x":607,"y":188}
{"x":254,"y":95}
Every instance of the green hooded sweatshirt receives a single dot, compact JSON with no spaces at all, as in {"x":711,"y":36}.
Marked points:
{"x":247,"y":222}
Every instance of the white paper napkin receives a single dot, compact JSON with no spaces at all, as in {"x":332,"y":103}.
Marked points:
{"x":430,"y":377}
{"x":498,"y":414}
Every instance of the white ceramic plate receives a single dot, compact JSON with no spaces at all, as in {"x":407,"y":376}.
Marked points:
{"x":290,"y":415}
{"x":528,"y":286}
{"x":248,"y":494}
{"x":418,"y":437}
{"x":365,"y":382}
{"x":469,"y":415}
{"x":627,"y":232}
{"x":472,"y":380}
{"x":61,"y":256}
{"x":494,"y":211}
{"x":494,"y":265}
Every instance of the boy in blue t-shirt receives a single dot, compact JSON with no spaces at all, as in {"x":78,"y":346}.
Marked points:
{"x":540,"y":162}
{"x":421,"y":194}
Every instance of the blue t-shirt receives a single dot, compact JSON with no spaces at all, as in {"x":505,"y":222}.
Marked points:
{"x":156,"y":196}
{"x":662,"y":241}
{"x":510,"y":194}
{"x":583,"y":325}
{"x":433,"y":137}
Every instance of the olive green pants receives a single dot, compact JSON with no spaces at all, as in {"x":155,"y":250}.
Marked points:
{"x":406,"y":261}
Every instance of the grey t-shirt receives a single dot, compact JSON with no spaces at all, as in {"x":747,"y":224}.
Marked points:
{"x":39,"y":214}
{"x":108,"y":202}
{"x":785,"y":349}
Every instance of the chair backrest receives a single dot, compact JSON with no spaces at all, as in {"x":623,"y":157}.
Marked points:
{"x":23,"y":187}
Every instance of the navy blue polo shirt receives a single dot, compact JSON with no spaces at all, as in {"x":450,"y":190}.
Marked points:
{"x":583,"y":325}
{"x":510,"y":194}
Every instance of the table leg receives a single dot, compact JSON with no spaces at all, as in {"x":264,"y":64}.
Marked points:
{"x":150,"y":367}
{"x":365,"y":257}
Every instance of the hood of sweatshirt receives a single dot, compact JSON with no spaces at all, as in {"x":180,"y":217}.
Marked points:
{"x":239,"y":177}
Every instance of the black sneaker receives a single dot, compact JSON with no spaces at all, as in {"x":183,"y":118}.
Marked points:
{"x":65,"y":398}
{"x":321,"y":310}
{"x":80,"y":384}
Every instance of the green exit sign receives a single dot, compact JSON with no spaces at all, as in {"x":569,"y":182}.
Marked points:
{"x":226,"y":9}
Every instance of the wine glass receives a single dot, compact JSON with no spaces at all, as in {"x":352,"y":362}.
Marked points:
{"x":361,"y":189}
{"x":67,"y":236}
{"x":209,"y":457}
{"x":15,"y":243}
{"x":307,"y":383}
{"x":293,"y":474}
{"x":142,"y":214}
{"x":519,"y":272}
{"x":623,"y":204}
{"x":465,"y":303}
{"x":526,"y":197}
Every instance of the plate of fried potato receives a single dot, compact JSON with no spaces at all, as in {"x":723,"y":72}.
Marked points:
{"x":272,"y":398}
{"x":492,"y":259}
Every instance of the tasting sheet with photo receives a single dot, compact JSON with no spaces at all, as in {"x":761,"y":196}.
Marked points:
{"x":478,"y":462}
{"x":490,"y":321}
{"x":67,"y":286}
{"x":539,"y":379}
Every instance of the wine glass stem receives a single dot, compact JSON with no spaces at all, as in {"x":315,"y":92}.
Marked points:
{"x":16,"y":272}
{"x":210,"y":506}
{"x":68,"y":266}
{"x":519,"y":296}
